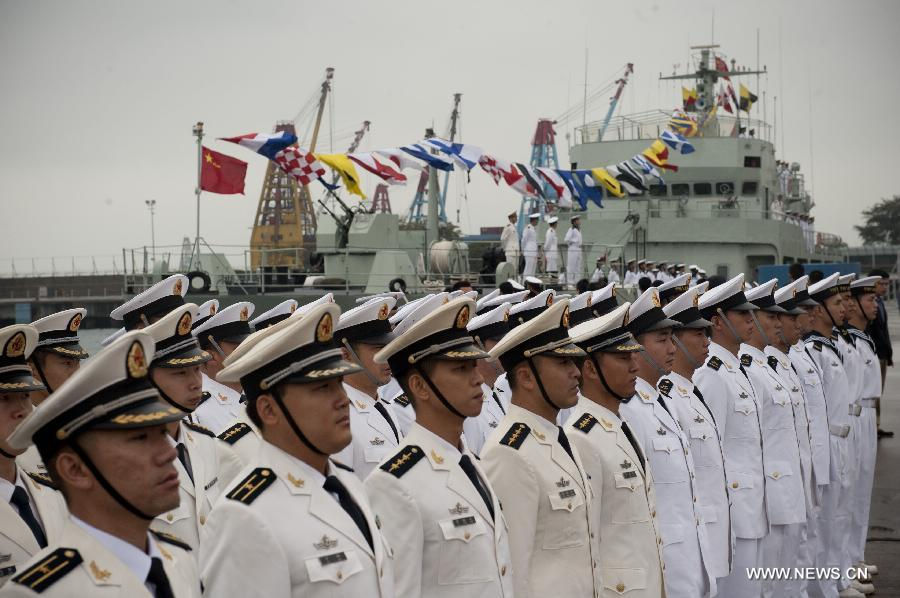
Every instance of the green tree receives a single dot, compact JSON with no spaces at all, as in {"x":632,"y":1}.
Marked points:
{"x":882,"y":223}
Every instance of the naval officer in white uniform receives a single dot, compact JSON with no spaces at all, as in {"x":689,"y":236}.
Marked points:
{"x":551,"y":249}
{"x":530,"y":245}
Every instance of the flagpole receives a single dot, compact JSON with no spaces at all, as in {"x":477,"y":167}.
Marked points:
{"x":198,"y":133}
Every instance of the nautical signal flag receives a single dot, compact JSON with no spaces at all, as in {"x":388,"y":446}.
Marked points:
{"x":747,"y":99}
{"x":342,"y":165}
{"x":689,"y":99}
{"x":266,"y":144}
{"x":220,"y":173}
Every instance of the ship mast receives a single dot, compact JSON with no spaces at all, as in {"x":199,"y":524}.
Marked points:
{"x":614,"y":101}
{"x":454,"y":117}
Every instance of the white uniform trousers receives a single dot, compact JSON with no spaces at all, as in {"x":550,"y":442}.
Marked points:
{"x":867,"y":446}
{"x":834,"y":523}
{"x":780,"y":548}
{"x":747,"y":554}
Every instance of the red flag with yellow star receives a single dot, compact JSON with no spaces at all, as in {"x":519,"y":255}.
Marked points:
{"x":221,"y":173}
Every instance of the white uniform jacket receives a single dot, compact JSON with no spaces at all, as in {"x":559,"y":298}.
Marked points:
{"x":509,"y":241}
{"x":697,"y":421}
{"x":816,"y":411}
{"x":477,"y":429}
{"x":277,"y":533}
{"x":551,"y":250}
{"x":629,"y":546}
{"x":214,"y":465}
{"x":449,"y":543}
{"x":548,"y":496}
{"x":31,"y":461}
{"x":785,"y":498}
{"x":373,"y":438}
{"x":728,"y":393}
{"x":221,"y":410}
{"x":573,"y":255}
{"x":243,"y":436}
{"x":529,"y":242}
{"x":671,"y":463}
{"x":78,"y":564}
{"x":17,"y":542}
{"x":399,"y":405}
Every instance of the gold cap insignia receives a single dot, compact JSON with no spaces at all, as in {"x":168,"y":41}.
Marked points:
{"x":565,"y":317}
{"x":293,"y":307}
{"x":793,"y":293}
{"x":506,"y":316}
{"x":462,"y":317}
{"x":550,"y":299}
{"x":75,"y":323}
{"x":15,"y":347}
{"x":383,"y":312}
{"x":184,"y":324}
{"x":625,"y":317}
{"x":245,"y":313}
{"x":696,"y":300}
{"x":613,"y":293}
{"x":136,"y":361}
{"x":655,"y":298}
{"x":589,"y":299}
{"x":176,"y":288}
{"x":212,"y":309}
{"x":324,"y":329}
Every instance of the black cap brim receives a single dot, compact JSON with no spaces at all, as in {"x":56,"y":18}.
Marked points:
{"x":19,"y":382}
{"x":662,"y":325}
{"x":326,"y":369}
{"x":70,"y":350}
{"x":377,"y":340}
{"x":151,"y":411}
{"x":696,"y":324}
{"x":183,"y":359}
{"x":746,"y":306}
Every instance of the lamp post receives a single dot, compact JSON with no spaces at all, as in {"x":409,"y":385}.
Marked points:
{"x":151,"y":205}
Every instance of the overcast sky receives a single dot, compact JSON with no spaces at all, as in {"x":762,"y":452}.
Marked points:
{"x":99,"y":97}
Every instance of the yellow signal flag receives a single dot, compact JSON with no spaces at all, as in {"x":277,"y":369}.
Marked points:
{"x":608,"y":181}
{"x":342,"y":165}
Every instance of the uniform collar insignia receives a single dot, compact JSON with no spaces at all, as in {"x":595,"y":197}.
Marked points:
{"x":539,"y":434}
{"x":360,"y":405}
{"x":377,"y":441}
{"x":436,"y":458}
{"x":458,"y":509}
{"x":606,"y":423}
{"x":297,"y":482}
{"x":562,"y":483}
{"x":98,"y":573}
{"x":325,"y":543}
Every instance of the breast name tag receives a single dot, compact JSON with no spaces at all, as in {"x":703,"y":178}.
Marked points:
{"x":629,"y":474}
{"x":567,"y":493}
{"x":329,"y":559}
{"x":463,"y":521}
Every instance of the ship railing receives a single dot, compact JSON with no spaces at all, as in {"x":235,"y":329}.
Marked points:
{"x":650,"y":124}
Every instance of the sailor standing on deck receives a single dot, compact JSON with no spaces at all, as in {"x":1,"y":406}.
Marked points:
{"x":574,"y":257}
{"x":103,"y":438}
{"x":628,"y":538}
{"x":728,"y":393}
{"x":685,"y":543}
{"x":361,"y":333}
{"x":294,"y":523}
{"x":551,"y":249}
{"x":436,"y":505}
{"x":530,"y":245}
{"x":509,"y":241}
{"x":631,"y":274}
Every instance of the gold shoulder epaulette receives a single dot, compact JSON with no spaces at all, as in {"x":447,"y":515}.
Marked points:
{"x":49,"y":569}
{"x":516,"y":435}
{"x":403,"y":461}
{"x":200,"y":429}
{"x":253,"y":485}
{"x":43,"y":479}
{"x":235,"y":432}
{"x":585,"y":423}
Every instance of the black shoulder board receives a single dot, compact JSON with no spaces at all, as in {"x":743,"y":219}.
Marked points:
{"x":665,"y":385}
{"x":817,"y":345}
{"x":403,"y":461}
{"x":746,"y":360}
{"x":516,"y":435}
{"x":42,"y":478}
{"x":585,"y":423}
{"x":253,"y":485}
{"x":170,"y":539}
{"x":773,"y":362}
{"x":49,"y":569}
{"x":340,"y":465}
{"x":199,"y":428}
{"x":714,"y":362}
{"x":235,"y":432}
{"x":402,"y":400}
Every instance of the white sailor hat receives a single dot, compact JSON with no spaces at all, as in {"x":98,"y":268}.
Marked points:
{"x":513,"y":213}
{"x":112,"y":391}
{"x":534,"y":280}
{"x":280,"y":312}
{"x":441,"y":334}
{"x":646,"y":314}
{"x":631,"y":261}
{"x":606,"y":334}
{"x":515,"y":284}
{"x":421,"y":309}
{"x":679,"y":266}
{"x":728,"y":296}
{"x":552,"y":220}
{"x":396,"y":295}
{"x":701,"y":287}
{"x":763,"y":297}
{"x":641,"y":261}
{"x":650,"y":262}
{"x":685,"y":310}
{"x":672,"y":288}
{"x":473,"y":295}
{"x":367,"y":323}
{"x":604,"y":300}
{"x":17,"y":343}
{"x":323,"y":300}
{"x":574,"y":217}
{"x":661,"y":263}
{"x":230,"y":324}
{"x":156,"y":301}
{"x":484,"y":298}
{"x":864,"y":285}
{"x":547,"y":334}
{"x":511,"y":298}
{"x":693,"y":267}
{"x":109,"y":339}
{"x":701,"y":272}
{"x":407,"y":309}
{"x":206,"y":310}
{"x":526,"y":310}
{"x":176,"y":347}
{"x":786,"y":297}
{"x":300,"y":351}
{"x":491,"y":325}
{"x":844,"y":281}
{"x":580,"y":308}
{"x":825,"y":288}
{"x":251,"y":341}
{"x":59,"y":333}
{"x":534,"y":216}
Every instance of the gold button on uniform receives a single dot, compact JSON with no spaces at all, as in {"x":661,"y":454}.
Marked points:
{"x":620,"y":587}
{"x":169,"y":517}
{"x":340,"y":575}
{"x":467,"y":535}
{"x":202,"y":519}
{"x":734,"y":484}
{"x":503,"y":570}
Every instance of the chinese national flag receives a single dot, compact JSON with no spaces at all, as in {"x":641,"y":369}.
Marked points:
{"x":222,"y":174}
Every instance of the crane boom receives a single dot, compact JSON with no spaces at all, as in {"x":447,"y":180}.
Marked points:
{"x":357,"y":137}
{"x":614,"y":101}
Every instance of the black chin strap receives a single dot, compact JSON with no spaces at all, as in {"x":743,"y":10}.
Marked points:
{"x":107,"y":486}
{"x":438,"y":394}
{"x":277,"y":396}
{"x":728,"y":325}
{"x":759,"y":328}
{"x":541,"y":384}
{"x":685,"y":352}
{"x":603,"y":381}
{"x":652,"y":362}
{"x":7,"y":455}
{"x":40,"y":371}
{"x":170,"y":400}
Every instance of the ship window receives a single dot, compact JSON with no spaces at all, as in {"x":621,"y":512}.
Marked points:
{"x":749,"y":188}
{"x":658,"y":190}
{"x":752,"y":162}
{"x":702,"y":188}
{"x":724,"y":188}
{"x":679,"y":189}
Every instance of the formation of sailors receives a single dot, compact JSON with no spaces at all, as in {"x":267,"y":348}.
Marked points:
{"x":514,"y":444}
